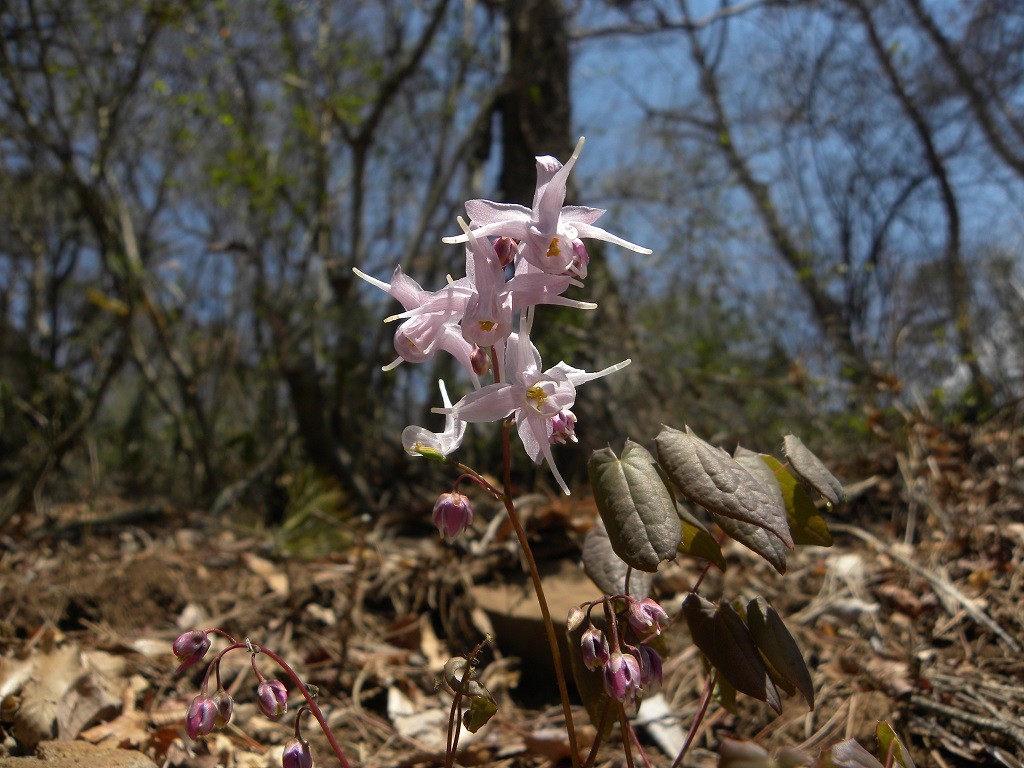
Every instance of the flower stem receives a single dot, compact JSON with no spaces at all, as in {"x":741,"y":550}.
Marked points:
{"x":314,"y":708}
{"x":538,"y":588}
{"x":698,"y":717}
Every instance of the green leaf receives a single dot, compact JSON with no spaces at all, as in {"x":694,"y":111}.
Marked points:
{"x":778,"y":648}
{"x":806,"y":523}
{"x":481,"y":709}
{"x":890,"y":744}
{"x":724,"y":639}
{"x":712,"y":478}
{"x":812,"y":470}
{"x":607,"y":570}
{"x":766,"y":544}
{"x":697,"y":541}
{"x":636,"y":506}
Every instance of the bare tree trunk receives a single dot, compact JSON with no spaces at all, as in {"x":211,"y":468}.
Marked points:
{"x":957,"y":278}
{"x":829,"y":312}
{"x":536,"y":110}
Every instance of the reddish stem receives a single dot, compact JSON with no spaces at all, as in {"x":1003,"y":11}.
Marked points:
{"x":698,"y":717}
{"x":314,"y":708}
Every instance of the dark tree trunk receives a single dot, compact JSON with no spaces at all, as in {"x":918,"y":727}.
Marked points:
{"x":535,"y":112}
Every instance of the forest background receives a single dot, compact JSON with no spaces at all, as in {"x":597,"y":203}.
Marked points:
{"x":833,"y":191}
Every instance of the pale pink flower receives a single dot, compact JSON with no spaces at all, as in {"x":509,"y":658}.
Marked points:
{"x":549,"y":229}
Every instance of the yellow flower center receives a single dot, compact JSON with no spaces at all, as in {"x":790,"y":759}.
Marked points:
{"x":538,"y":395}
{"x":486,"y":325}
{"x":553,"y":250}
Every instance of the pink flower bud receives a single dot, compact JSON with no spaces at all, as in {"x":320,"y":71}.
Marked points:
{"x":225,"y":707}
{"x":272,"y":698}
{"x":297,"y":755}
{"x":190,"y":648}
{"x":595,"y":648}
{"x":622,"y":676}
{"x":480,"y":361}
{"x":452,"y":515}
{"x":201,"y":716}
{"x":650,"y":667}
{"x":563,"y":427}
{"x":506,"y":249}
{"x":580,"y":259}
{"x":646,"y":616}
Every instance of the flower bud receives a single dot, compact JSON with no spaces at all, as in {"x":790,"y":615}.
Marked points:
{"x":595,"y":648}
{"x":646,"y":616}
{"x":480,"y":361}
{"x":580,"y":259}
{"x":563,"y":427}
{"x":506,"y":249}
{"x":272,"y":698}
{"x":650,"y":667}
{"x":225,"y":707}
{"x":296,"y":754}
{"x":452,"y":515}
{"x":622,"y":676}
{"x":190,"y":648}
{"x":201,"y":717}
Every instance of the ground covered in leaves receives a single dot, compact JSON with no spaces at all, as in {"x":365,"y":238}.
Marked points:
{"x":914,"y":616}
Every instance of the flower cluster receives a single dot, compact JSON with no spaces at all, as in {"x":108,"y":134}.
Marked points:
{"x":517,"y":258}
{"x":629,"y":664}
{"x":210,"y":712}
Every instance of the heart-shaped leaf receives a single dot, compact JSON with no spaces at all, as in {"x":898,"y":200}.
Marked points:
{"x":806,"y":523}
{"x":778,"y":648}
{"x":636,"y":506}
{"x":812,"y":470}
{"x":724,"y":639}
{"x":607,"y":570}
{"x":712,"y":478}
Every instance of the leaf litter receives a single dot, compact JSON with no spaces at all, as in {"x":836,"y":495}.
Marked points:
{"x":913,"y":616}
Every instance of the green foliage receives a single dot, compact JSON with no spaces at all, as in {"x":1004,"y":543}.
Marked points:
{"x":317,"y":516}
{"x":635,"y":505}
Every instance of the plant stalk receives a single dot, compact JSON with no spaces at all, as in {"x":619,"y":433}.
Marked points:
{"x":538,"y":588}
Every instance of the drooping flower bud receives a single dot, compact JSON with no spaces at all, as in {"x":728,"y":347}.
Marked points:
{"x":480,"y":361}
{"x":190,"y":648}
{"x":646,"y":616}
{"x":201,"y":717}
{"x":594,"y":648}
{"x":506,"y":249}
{"x":272,"y":698}
{"x":452,"y":515}
{"x":580,"y":259}
{"x":563,"y":427}
{"x":622,"y":676}
{"x":650,"y":667}
{"x":225,"y":707}
{"x":296,"y":754}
